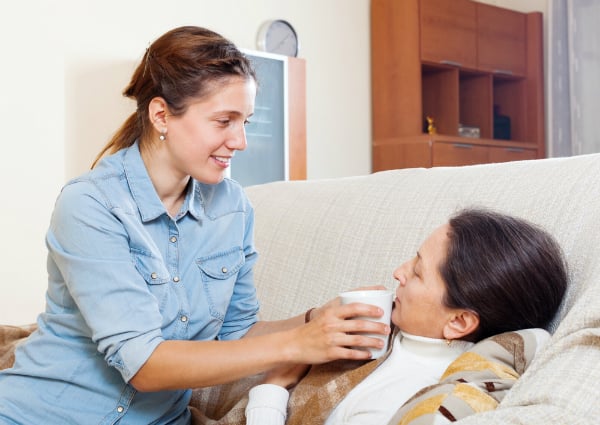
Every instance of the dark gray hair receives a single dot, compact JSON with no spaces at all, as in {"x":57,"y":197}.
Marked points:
{"x":509,"y":271}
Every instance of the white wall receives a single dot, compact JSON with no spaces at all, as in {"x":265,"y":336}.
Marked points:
{"x":64,"y":64}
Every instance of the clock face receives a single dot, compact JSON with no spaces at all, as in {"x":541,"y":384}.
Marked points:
{"x":278,"y":36}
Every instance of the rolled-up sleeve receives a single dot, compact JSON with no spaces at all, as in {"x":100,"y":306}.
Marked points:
{"x":90,"y":246}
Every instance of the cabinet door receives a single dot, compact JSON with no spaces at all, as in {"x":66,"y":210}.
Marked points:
{"x":455,"y":154}
{"x":501,"y":40}
{"x":449,"y":32}
{"x":506,"y":154}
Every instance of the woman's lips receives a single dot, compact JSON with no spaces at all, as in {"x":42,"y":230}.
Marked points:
{"x":223,"y":161}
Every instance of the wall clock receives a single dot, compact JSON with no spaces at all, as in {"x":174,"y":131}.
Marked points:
{"x":278,"y":36}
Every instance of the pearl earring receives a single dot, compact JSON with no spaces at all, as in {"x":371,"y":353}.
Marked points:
{"x":162,"y":137}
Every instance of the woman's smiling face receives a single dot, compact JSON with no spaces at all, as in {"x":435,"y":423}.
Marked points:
{"x":418,"y":307}
{"x":203,"y":140}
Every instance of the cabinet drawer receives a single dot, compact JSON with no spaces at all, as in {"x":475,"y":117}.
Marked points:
{"x":455,"y":154}
{"x":449,"y":32}
{"x":505,"y":154}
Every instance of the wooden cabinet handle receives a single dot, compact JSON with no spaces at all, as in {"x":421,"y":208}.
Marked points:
{"x":462,"y":145}
{"x":503,"y":71}
{"x":453,"y":63}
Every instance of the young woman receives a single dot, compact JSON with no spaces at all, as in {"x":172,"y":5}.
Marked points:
{"x":150,"y":286}
{"x":480,"y":274}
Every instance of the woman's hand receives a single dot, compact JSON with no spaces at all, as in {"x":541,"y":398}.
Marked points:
{"x":286,"y":376}
{"x":329,"y":334}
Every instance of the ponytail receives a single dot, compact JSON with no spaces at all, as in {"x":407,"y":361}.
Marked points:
{"x":125,"y":136}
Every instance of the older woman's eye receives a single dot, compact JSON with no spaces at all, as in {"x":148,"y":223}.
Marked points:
{"x":417,"y":265}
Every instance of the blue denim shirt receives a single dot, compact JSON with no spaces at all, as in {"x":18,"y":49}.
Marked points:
{"x":123,"y":276}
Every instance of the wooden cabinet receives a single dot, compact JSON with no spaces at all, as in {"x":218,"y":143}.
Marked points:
{"x":462,"y":63}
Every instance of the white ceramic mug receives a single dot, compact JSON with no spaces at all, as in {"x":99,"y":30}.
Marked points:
{"x":382,"y":299}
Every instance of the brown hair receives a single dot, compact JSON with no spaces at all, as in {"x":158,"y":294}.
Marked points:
{"x":184,"y":63}
{"x":507,"y":270}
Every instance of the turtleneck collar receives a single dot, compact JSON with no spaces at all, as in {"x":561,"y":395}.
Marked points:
{"x":432,"y":347}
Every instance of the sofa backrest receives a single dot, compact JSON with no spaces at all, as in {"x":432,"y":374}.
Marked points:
{"x":317,"y":238}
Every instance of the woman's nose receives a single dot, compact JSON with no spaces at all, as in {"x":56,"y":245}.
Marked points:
{"x":238,"y":140}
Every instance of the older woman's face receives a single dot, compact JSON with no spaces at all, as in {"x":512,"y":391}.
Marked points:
{"x":418,"y":307}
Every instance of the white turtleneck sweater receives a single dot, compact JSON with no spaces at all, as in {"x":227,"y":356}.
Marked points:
{"x":414,"y":363}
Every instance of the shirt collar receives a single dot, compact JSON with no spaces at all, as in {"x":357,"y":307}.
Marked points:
{"x":193,"y":200}
{"x":144,"y":193}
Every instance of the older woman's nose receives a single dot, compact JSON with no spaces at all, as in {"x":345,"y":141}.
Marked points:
{"x":400,"y":275}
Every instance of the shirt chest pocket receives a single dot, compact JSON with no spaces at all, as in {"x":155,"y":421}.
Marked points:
{"x":219,"y":274}
{"x":155,"y":273}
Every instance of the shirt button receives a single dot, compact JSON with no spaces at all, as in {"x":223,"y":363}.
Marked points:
{"x":224,"y":269}
{"x":184,"y":318}
{"x":176,"y":279}
{"x":120,"y":409}
{"x":154,"y":275}
{"x":173,"y":239}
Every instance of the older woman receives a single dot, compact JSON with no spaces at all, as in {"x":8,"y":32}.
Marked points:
{"x":480,"y":274}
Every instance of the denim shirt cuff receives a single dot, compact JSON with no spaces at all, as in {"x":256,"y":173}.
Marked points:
{"x":134,"y":353}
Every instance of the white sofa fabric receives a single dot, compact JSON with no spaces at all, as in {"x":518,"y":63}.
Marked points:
{"x":316,"y":238}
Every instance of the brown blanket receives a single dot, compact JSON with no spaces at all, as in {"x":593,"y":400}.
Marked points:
{"x":311,"y":401}
{"x":10,"y":336}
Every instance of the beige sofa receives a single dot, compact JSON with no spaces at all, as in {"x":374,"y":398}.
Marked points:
{"x":319,"y":237}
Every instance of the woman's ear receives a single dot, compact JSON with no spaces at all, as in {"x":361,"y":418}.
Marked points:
{"x":157,"y":111}
{"x":461,"y":324}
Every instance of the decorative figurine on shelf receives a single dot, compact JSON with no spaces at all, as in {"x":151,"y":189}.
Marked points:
{"x":430,"y":125}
